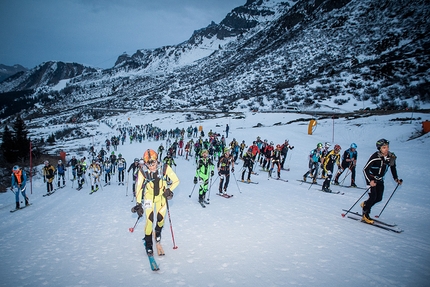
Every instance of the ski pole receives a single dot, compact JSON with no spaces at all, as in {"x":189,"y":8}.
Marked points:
{"x":344,"y":214}
{"x":347,"y":173}
{"x":171,"y":228}
{"x":236,"y":182}
{"x":209,"y":193}
{"x":377,"y":216}
{"x":192,"y":190}
{"x":131,"y":229}
{"x":126,"y":188}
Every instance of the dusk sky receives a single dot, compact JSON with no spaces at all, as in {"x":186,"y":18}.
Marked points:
{"x":96,"y":32}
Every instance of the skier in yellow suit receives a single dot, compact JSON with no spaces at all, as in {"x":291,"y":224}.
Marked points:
{"x":155,"y":183}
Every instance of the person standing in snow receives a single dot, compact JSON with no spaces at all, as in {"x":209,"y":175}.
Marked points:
{"x":349,"y":160}
{"x":324,"y":153}
{"x":19,"y":180}
{"x":121,"y":165}
{"x":48,"y":172}
{"x":107,"y":167}
{"x":284,"y":151}
{"x":73,"y":162}
{"x":374,"y":172}
{"x":80,"y":173}
{"x":61,"y":171}
{"x":224,"y":170}
{"x":248,"y":163}
{"x":276,"y":160}
{"x":205,"y":170}
{"x":134,"y":168}
{"x":94,"y":173}
{"x":155,"y":185}
{"x":332,"y":158}
{"x":160,"y":151}
{"x":314,"y":162}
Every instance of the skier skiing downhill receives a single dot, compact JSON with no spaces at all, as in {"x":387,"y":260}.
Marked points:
{"x":332,"y":158}
{"x":205,"y":170}
{"x":349,"y":160}
{"x":224,"y":170}
{"x":374,"y":172}
{"x":314,"y":161}
{"x":19,"y":180}
{"x":154,"y":186}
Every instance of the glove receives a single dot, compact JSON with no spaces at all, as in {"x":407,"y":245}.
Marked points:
{"x":219,"y":173}
{"x":232,"y":170}
{"x":399,"y":181}
{"x":168,"y":194}
{"x":292,"y":147}
{"x":138,"y":209}
{"x":212,"y":173}
{"x":175,"y":164}
{"x":195,"y":180}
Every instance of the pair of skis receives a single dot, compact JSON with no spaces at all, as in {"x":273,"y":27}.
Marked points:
{"x":377,"y":223}
{"x":152,"y":261}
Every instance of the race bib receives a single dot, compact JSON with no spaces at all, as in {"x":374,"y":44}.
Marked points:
{"x":147,"y":204}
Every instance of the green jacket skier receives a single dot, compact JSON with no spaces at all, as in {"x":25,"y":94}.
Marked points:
{"x":205,"y":170}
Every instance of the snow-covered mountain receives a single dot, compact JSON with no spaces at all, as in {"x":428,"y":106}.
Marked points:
{"x":265,"y":55}
{"x":7,"y":71}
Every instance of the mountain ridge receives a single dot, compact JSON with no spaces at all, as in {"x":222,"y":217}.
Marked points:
{"x":268,"y":55}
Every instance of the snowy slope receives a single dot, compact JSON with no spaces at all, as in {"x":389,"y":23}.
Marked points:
{"x":274,"y":233}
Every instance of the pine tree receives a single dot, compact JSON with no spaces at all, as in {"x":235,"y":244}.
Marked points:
{"x":22,"y":143}
{"x":7,"y":145}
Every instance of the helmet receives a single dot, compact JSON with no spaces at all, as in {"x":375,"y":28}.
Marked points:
{"x":73,"y":157}
{"x":205,"y":151}
{"x":353,"y":145}
{"x":60,"y":161}
{"x":226,"y":150}
{"x":278,"y":146}
{"x":113,"y":152}
{"x":120,"y":155}
{"x":381,"y":143}
{"x":141,"y":161}
{"x":319,"y":145}
{"x":46,"y":162}
{"x":136,"y":160}
{"x":271,"y":143}
{"x":286,"y":140}
{"x":149,"y":155}
{"x":15,"y":168}
{"x":337,"y":147}
{"x":327,"y":145}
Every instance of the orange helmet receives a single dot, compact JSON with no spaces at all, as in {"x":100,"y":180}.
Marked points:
{"x":149,"y":155}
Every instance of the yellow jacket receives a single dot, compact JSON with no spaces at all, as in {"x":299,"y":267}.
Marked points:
{"x":155,"y":183}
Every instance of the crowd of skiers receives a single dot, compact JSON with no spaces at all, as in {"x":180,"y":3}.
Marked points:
{"x":214,"y":157}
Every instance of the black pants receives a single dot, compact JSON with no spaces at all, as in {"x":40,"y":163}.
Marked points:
{"x":375,"y":196}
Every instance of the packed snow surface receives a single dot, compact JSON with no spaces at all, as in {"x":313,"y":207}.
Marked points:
{"x":274,"y":233}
